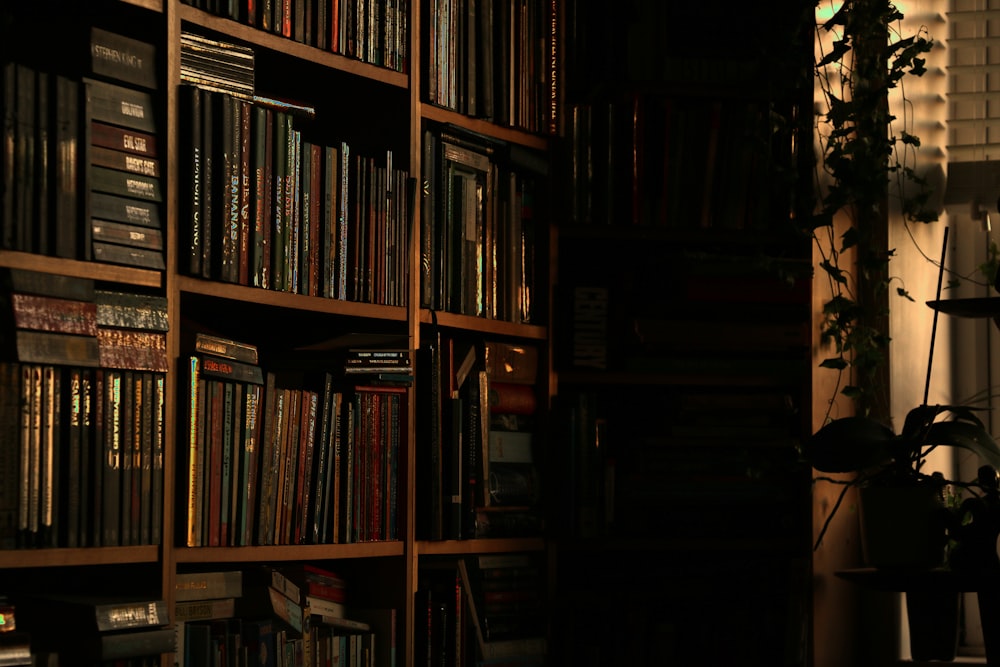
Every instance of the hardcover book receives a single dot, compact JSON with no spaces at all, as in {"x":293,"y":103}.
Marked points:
{"x":47,"y":347}
{"x":117,"y":138}
{"x":208,"y":585}
{"x":47,"y":313}
{"x":113,"y":253}
{"x":96,"y":613}
{"x":120,"y":233}
{"x":25,"y":281}
{"x":133,"y":349}
{"x":131,"y":310}
{"x":119,"y":105}
{"x":104,"y":206}
{"x":122,"y":58}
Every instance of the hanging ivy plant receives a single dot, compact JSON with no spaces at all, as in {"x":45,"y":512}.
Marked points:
{"x":866,"y":156}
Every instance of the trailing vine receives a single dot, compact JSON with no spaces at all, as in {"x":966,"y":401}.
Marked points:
{"x":866,"y":156}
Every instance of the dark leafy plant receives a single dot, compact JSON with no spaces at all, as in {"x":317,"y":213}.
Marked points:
{"x":877,"y":455}
{"x":862,"y":161}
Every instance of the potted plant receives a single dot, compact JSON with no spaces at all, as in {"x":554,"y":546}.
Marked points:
{"x":904,"y":517}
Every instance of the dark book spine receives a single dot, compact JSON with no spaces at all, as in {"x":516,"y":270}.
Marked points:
{"x":50,"y":460}
{"x":231,"y":370}
{"x":263,"y":152}
{"x":24,"y":157}
{"x":26,"y":281}
{"x":130,"y":256}
{"x":9,"y":156}
{"x":46,"y":347}
{"x":157,"y":433}
{"x":122,"y":139}
{"x":125,"y":184}
{"x":245,"y":190}
{"x":225,"y":347}
{"x":123,"y":58}
{"x":129,"y":310}
{"x":190,"y":134}
{"x":66,"y":202}
{"x":40,"y":237}
{"x":47,"y":313}
{"x":209,"y":236}
{"x":118,"y":105}
{"x":124,"y":234}
{"x":105,"y":206}
{"x":10,"y":436}
{"x":112,"y":159}
{"x":124,"y":645}
{"x":133,"y":349}
{"x":111,"y":473}
{"x":145,"y":432}
{"x":126,"y":440}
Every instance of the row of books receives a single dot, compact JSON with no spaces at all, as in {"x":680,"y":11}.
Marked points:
{"x":297,"y":615}
{"x":479,"y":476}
{"x":80,"y":167}
{"x":291,"y":457}
{"x":101,"y":629}
{"x":488,"y":59}
{"x":478,"y":226}
{"x":83,"y":397}
{"x":479,"y":610}
{"x":672,"y":163}
{"x":285,"y":213}
{"x":83,"y":456}
{"x":375,"y":32}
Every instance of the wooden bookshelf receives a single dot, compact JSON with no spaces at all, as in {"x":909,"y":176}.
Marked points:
{"x":374,"y":101}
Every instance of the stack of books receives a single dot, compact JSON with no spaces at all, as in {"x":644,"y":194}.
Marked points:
{"x":123,"y":163}
{"x":215,"y":65}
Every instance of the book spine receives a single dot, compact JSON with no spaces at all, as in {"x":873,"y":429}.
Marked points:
{"x":129,"y":235}
{"x":112,"y":253}
{"x":131,"y":141}
{"x":119,"y":105}
{"x":127,"y":310}
{"x":104,"y":206}
{"x":232,"y":370}
{"x":225,"y":347}
{"x":123,"y":58}
{"x":47,"y":347}
{"x":45,"y":313}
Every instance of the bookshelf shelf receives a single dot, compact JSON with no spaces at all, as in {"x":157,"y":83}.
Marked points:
{"x":77,"y":269}
{"x":46,"y":558}
{"x":515,"y":136}
{"x":299,"y":51}
{"x":289,"y":552}
{"x":478,"y":546}
{"x":485,"y":326}
{"x":298,"y":302}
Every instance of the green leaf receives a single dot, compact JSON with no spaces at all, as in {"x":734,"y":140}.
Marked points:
{"x":836,"y":363}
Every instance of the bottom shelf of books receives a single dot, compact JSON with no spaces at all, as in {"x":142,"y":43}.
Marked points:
{"x":87,"y":616}
{"x":298,"y":613}
{"x":481,"y":609}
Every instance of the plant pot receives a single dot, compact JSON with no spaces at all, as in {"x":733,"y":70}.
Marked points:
{"x":933,"y":622}
{"x":902,"y":526}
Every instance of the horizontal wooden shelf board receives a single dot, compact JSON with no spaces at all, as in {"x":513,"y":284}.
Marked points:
{"x":17,"y":558}
{"x":483,"y":325}
{"x":287,"y":552}
{"x":514,"y":136}
{"x":290,"y":300}
{"x":290,"y":47}
{"x":81,"y":269}
{"x":464,"y":547}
